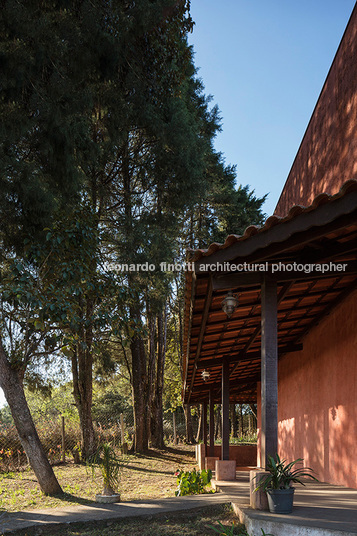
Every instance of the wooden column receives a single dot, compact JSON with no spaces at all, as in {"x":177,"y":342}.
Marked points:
{"x":204,"y":423}
{"x":269,"y":372}
{"x":211,"y":423}
{"x":225,"y":410}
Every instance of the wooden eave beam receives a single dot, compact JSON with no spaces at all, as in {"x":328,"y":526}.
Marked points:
{"x":238,"y":355}
{"x":281,"y":312}
{"x":256,"y":317}
{"x":192,"y":304}
{"x":237,"y":358}
{"x":327,"y":250}
{"x":238,"y":280}
{"x":282,"y":293}
{"x":248,"y":381}
{"x":301,"y":229}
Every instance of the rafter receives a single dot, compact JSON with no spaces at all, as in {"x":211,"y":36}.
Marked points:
{"x":202,"y":332}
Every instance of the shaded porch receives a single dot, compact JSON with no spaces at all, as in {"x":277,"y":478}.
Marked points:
{"x":234,"y":358}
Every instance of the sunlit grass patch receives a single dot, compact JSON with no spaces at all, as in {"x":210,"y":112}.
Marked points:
{"x":143,"y":477}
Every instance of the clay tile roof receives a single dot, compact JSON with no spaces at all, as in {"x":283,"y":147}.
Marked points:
{"x":321,"y":199}
{"x":303,"y":301}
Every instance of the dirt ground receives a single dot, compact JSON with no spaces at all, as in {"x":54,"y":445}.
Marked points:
{"x":149,"y":476}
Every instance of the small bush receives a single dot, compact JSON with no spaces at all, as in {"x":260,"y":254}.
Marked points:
{"x":192,"y":482}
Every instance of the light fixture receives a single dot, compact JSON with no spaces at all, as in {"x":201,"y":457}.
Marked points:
{"x":205,"y":375}
{"x":229,"y":304}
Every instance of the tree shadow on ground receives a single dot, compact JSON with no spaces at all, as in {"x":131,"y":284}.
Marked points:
{"x":169,"y":454}
{"x":146,"y":470}
{"x":74,"y":499}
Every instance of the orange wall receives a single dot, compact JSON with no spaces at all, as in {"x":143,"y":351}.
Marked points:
{"x":327,"y":156}
{"x":317,"y":402}
{"x":244,"y":455}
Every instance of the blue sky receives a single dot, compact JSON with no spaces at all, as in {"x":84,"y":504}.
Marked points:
{"x":265,"y":62}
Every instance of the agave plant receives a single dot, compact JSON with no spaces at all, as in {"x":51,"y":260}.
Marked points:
{"x":283,"y":474}
{"x":109,"y":464}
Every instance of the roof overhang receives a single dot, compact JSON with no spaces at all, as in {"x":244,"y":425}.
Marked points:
{"x":323,"y":235}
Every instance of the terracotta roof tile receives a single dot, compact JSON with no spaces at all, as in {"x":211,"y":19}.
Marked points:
{"x":321,"y":199}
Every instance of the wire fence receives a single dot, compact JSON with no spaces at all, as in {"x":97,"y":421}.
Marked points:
{"x":61,"y":437}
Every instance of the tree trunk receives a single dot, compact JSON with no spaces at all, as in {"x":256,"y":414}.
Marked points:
{"x":82,"y":372}
{"x":240,"y":421}
{"x":157,"y":426}
{"x":151,"y":364}
{"x":234,"y":421}
{"x":15,"y":396}
{"x":82,"y":390}
{"x":140,"y":392}
{"x":139,"y":374}
{"x":189,"y":429}
{"x":254,"y":416}
{"x":199,"y":429}
{"x":218,"y":431}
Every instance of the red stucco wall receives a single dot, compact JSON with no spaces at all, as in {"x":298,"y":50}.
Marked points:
{"x":327,"y":156}
{"x":317,"y":402}
{"x":245,"y":455}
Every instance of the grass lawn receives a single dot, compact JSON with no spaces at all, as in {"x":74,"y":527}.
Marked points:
{"x":143,"y":477}
{"x":190,"y":523}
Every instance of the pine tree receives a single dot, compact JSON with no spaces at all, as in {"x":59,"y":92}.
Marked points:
{"x":102,"y":110}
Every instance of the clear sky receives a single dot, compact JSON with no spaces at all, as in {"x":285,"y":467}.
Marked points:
{"x":265,"y":62}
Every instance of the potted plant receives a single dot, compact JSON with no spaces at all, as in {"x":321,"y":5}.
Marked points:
{"x":106,"y":460}
{"x":278,"y":484}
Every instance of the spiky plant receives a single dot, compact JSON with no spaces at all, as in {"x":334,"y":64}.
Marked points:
{"x":283,"y":474}
{"x":109,"y":464}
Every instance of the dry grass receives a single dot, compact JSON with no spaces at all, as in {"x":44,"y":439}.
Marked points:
{"x":143,"y":477}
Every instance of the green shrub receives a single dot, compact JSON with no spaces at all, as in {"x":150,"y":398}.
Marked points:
{"x":192,"y":482}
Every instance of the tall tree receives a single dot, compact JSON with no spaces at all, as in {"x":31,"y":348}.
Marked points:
{"x":58,"y":59}
{"x":14,"y":393}
{"x":23,"y":338}
{"x":82,"y":299}
{"x":156,"y":402}
{"x":160,"y":161}
{"x":91,"y":93}
{"x":36,"y":178}
{"x":102,"y":108}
